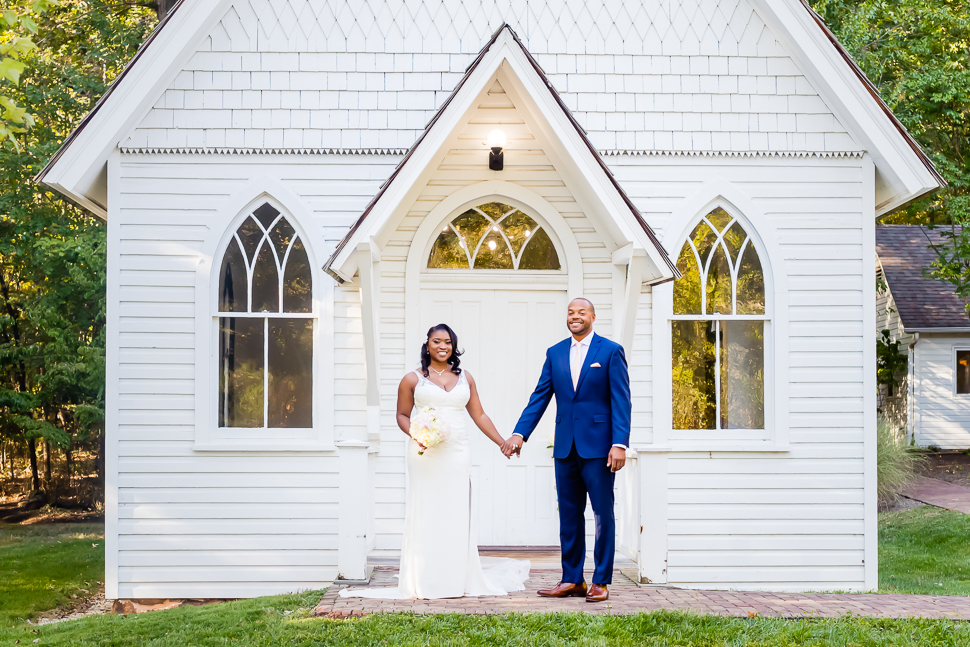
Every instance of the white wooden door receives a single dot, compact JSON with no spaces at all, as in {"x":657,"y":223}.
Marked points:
{"x":505,"y":334}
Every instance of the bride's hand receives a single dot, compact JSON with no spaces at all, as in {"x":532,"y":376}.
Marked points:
{"x":420,"y":446}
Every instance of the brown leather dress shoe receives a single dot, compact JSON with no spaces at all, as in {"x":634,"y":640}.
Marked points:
{"x":564,"y":590}
{"x":598,"y":593}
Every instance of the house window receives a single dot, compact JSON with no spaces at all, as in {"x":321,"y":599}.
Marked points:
{"x":265,"y":326}
{"x":718,"y":329}
{"x":963,"y":372}
{"x":494,"y":236}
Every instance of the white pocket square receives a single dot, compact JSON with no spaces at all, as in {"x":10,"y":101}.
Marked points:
{"x":595,"y":365}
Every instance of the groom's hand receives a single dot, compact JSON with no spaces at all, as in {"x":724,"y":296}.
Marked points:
{"x":512,"y":446}
{"x":617,"y":459}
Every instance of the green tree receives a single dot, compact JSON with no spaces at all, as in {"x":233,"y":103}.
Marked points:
{"x":917,"y":53}
{"x":17,"y":23}
{"x":52,"y":254}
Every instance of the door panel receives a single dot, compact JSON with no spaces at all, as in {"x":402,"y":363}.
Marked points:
{"x":505,"y":335}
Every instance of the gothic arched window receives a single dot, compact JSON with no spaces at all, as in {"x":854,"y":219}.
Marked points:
{"x":494,"y":236}
{"x":718,"y":329}
{"x":265,"y":326}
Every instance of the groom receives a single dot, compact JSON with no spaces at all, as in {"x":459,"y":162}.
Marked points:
{"x":588,"y":375}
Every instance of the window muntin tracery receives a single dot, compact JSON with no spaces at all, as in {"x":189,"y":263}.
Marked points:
{"x":494,"y":236}
{"x":718,"y":341}
{"x":265,"y":307}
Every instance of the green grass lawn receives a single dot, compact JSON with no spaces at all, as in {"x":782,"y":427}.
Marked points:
{"x":42,"y":566}
{"x":284,"y":620}
{"x":925,"y":550}
{"x":918,"y":548}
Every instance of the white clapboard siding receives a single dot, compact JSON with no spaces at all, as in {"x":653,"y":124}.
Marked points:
{"x":794,"y":520}
{"x":942,"y":415}
{"x":205,"y":524}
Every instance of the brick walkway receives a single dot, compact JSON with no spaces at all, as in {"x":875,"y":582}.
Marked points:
{"x":941,"y":494}
{"x":626,"y":597}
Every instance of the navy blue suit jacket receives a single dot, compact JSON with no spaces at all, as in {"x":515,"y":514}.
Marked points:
{"x":596,"y":415}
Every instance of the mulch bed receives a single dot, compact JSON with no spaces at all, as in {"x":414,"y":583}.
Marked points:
{"x":950,"y":466}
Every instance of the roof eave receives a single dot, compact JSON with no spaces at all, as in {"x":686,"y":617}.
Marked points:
{"x":904,"y":167}
{"x":78,"y":165}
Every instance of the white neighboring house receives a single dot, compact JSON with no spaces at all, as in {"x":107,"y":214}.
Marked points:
{"x":931,"y":324}
{"x":252,"y":376}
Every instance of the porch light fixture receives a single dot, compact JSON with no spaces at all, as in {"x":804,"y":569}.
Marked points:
{"x":496,"y":158}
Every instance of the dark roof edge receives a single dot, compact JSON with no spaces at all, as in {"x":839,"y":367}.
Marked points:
{"x":874,"y":93}
{"x":407,"y":156}
{"x":39,"y":178}
{"x":592,"y":149}
{"x":579,"y":130}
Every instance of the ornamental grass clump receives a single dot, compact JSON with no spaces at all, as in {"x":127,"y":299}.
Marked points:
{"x":897,"y":463}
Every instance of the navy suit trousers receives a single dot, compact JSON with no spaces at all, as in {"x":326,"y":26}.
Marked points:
{"x":577,"y":477}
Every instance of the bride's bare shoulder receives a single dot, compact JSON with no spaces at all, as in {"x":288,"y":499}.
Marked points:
{"x":410,"y":379}
{"x":468,"y":376}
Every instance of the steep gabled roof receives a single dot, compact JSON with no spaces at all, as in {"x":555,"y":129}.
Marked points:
{"x":665,"y":267}
{"x":922,"y":303}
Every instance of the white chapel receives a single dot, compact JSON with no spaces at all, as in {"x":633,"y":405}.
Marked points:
{"x":296,"y":190}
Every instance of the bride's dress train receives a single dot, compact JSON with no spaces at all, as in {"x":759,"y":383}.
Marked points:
{"x":439,"y":556}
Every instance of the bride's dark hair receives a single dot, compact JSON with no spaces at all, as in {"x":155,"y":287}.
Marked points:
{"x":455,"y":353}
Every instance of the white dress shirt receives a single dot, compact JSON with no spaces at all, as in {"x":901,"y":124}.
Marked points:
{"x":578,"y":349}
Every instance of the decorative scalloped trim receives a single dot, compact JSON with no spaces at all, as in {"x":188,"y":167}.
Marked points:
{"x":402,"y":151}
{"x":267,"y":151}
{"x":792,"y":154}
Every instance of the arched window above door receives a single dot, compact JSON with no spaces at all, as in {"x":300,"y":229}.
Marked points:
{"x":494,"y":236}
{"x":718,"y":329}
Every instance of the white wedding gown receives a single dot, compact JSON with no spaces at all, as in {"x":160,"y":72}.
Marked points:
{"x":439,"y":556}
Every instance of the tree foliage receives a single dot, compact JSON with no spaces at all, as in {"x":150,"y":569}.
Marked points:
{"x":917,"y":52}
{"x":17,"y":24}
{"x":52,"y":254}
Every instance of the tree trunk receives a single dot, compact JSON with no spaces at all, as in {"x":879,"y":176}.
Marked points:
{"x":47,"y":465}
{"x":69,"y":466}
{"x":162,"y":7}
{"x":34,"y":477}
{"x":101,"y":461}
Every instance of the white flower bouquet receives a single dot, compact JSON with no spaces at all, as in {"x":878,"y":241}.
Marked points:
{"x":429,"y":428}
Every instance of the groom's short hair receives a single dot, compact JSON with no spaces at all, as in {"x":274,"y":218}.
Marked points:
{"x":588,"y":302}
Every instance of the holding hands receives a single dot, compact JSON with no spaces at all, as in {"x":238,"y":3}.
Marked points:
{"x":512,"y":446}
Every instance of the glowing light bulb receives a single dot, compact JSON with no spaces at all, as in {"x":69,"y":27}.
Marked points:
{"x":491,"y":244}
{"x":496,"y":139}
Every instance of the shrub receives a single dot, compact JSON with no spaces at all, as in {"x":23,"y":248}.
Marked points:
{"x":897,"y":463}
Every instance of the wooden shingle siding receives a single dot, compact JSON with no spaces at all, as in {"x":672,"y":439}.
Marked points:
{"x":646,"y":76}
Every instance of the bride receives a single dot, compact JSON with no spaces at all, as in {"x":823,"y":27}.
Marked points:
{"x":439,"y":557}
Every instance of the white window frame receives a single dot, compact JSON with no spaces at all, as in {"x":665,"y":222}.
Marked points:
{"x":953,"y":358}
{"x":775,"y":435}
{"x":209,"y":435}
